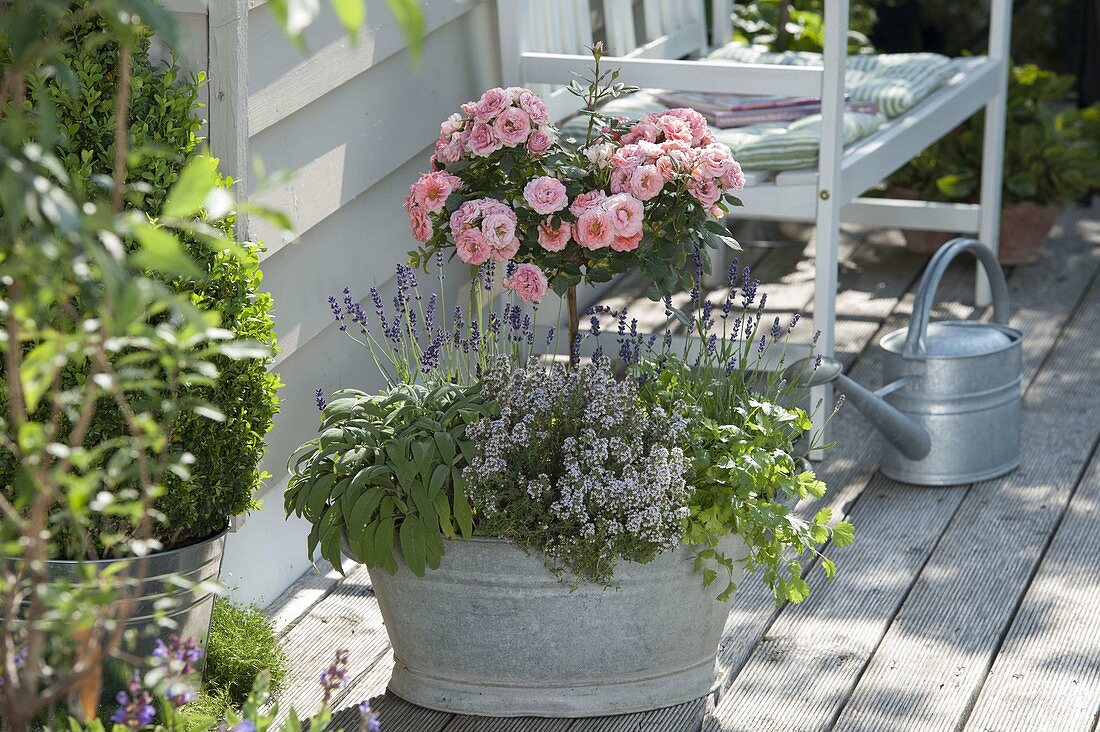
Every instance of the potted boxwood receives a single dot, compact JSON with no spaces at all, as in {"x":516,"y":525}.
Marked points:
{"x":546,"y":539}
{"x":195,"y":505}
{"x":1052,"y":159}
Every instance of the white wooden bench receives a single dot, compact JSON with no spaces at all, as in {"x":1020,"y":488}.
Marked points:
{"x":544,"y":42}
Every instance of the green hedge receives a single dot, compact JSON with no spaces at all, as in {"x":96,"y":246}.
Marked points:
{"x":164,"y":133}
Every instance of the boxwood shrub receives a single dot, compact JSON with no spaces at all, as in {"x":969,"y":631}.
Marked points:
{"x":164,"y":132}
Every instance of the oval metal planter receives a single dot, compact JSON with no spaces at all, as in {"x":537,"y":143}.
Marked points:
{"x":493,"y":632}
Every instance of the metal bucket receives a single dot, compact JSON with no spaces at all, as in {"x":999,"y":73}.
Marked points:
{"x":493,"y":632}
{"x":959,"y":380}
{"x":189,"y":608}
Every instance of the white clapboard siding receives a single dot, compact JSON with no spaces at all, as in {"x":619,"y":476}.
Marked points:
{"x":333,"y":135}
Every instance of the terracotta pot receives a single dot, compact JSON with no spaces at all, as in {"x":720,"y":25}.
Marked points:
{"x":1025,"y":227}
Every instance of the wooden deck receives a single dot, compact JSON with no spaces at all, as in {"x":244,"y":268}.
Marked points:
{"x":974,"y":607}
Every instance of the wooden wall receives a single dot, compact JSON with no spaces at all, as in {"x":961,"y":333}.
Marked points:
{"x":333,"y":135}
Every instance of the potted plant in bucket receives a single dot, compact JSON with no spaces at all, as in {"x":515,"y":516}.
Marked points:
{"x":158,"y":175}
{"x":546,"y":538}
{"x":1052,"y":159}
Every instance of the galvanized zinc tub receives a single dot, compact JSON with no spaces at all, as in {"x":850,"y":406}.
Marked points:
{"x":493,"y":632}
{"x":189,"y":607}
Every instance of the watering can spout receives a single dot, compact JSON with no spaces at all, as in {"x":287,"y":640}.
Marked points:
{"x":908,"y":437}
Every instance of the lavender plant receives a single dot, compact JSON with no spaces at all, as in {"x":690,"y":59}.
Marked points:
{"x":575,"y":466}
{"x":386,"y":472}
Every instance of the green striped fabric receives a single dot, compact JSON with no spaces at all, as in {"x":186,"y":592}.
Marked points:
{"x":894,"y":81}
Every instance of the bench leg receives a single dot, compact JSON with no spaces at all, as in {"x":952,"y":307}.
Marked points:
{"x":825,"y":284}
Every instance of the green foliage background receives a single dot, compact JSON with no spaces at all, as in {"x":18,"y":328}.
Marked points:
{"x":164,"y":134}
{"x":1052,"y":154}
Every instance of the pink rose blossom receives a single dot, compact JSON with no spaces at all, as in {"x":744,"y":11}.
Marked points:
{"x":468,"y":108}
{"x":540,"y":141}
{"x":734,"y":178}
{"x":587,"y":201}
{"x":674,"y":128}
{"x":506,"y":252}
{"x":697,"y":124}
{"x":421,"y":224}
{"x":620,"y":179}
{"x":533,"y":105}
{"x":628,"y":156}
{"x":512,"y":126}
{"x":626,"y":214}
{"x":714,"y":160}
{"x":545,"y":194}
{"x":483,"y":141}
{"x":451,"y":125}
{"x":431,"y":191}
{"x":594,"y":229}
{"x":626,"y":243}
{"x":705,"y":190}
{"x":449,"y":149}
{"x":528,"y":282}
{"x":464,"y":216}
{"x":551,"y":239}
{"x":646,"y":182}
{"x":472,"y":247}
{"x":666,"y":166}
{"x":492,"y":102}
{"x":499,"y":229}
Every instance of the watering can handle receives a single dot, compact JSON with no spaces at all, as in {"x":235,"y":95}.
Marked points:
{"x":926,"y":292}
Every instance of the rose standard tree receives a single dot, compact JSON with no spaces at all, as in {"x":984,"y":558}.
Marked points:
{"x":505,"y":186}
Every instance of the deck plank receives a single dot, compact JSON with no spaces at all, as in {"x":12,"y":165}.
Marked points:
{"x":684,"y":717}
{"x":1045,"y":297}
{"x":935,"y":656}
{"x":1047,"y":672}
{"x":811,"y":656}
{"x":347,"y":618}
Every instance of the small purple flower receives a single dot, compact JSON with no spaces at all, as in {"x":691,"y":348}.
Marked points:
{"x":135,"y":706}
{"x":245,"y":725}
{"x":488,"y":274}
{"x":794,"y":322}
{"x":550,"y":335}
{"x":376,"y":298}
{"x":777,"y":329}
{"x":763,"y":344}
{"x":335,"y":677}
{"x":176,"y":659}
{"x":594,"y":329}
{"x":368,"y":720}
{"x":319,"y":397}
{"x":337,"y":312}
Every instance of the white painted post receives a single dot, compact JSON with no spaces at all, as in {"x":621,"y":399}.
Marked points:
{"x":1000,"y":24}
{"x":828,"y":197}
{"x":721,"y":22}
{"x":228,"y":73}
{"x":513,"y":24}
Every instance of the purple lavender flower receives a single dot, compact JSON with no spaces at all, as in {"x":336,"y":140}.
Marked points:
{"x":794,"y":322}
{"x":135,"y":706}
{"x":439,"y":262}
{"x":335,"y":677}
{"x":550,"y":335}
{"x":368,"y":720}
{"x":763,"y":344}
{"x":376,"y":297}
{"x":731,"y":272}
{"x":429,"y":312}
{"x":763,"y":303}
{"x":594,"y":328}
{"x":488,"y":274}
{"x":777,"y":329}
{"x":337,"y":312}
{"x":176,"y":661}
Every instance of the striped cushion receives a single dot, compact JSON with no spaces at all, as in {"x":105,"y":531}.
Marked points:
{"x":894,"y":81}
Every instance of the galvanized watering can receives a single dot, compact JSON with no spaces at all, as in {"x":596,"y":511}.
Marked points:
{"x":950,"y":410}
